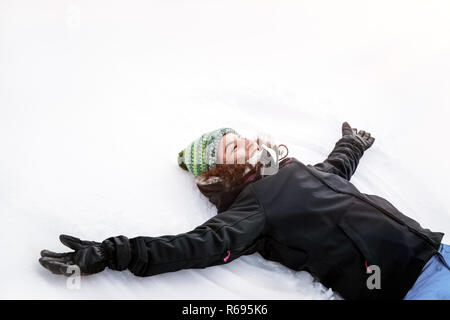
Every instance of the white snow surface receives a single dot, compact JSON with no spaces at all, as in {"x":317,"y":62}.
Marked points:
{"x":98,"y":97}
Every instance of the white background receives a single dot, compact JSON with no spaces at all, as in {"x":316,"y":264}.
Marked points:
{"x":98,"y":97}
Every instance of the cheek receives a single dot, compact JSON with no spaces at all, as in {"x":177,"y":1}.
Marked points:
{"x":242,"y":156}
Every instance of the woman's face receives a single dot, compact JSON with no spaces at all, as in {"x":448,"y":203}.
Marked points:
{"x":235,"y":149}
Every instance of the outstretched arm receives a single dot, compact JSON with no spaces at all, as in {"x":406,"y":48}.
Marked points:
{"x":344,"y":158}
{"x":221,"y":239}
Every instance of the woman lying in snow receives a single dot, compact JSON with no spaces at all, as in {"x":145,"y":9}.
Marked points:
{"x":307,"y":217}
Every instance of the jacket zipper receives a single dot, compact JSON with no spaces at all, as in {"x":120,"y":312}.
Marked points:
{"x":429,"y":241}
{"x":396,"y":220}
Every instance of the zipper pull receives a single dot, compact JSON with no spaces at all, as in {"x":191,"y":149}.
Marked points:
{"x":228,"y":255}
{"x":367,"y":268}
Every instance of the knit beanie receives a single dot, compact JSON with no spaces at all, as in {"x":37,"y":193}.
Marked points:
{"x":201,"y":154}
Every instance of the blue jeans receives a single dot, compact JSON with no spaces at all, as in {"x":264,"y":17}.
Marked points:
{"x":433,"y":282}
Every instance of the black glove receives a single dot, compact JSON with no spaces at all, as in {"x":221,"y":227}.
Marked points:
{"x":361,"y":136}
{"x":90,"y":256}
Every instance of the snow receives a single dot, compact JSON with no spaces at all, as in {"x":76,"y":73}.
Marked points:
{"x":97,"y":98}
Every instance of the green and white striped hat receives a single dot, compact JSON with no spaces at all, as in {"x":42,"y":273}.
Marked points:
{"x":201,"y":154}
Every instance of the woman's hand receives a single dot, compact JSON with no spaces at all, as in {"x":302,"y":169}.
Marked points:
{"x":362,"y":136}
{"x":90,"y":256}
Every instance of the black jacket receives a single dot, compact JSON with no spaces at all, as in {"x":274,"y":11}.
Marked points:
{"x":307,"y":218}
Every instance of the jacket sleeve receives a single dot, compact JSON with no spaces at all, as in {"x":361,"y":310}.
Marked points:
{"x":344,"y":158}
{"x":235,"y":232}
